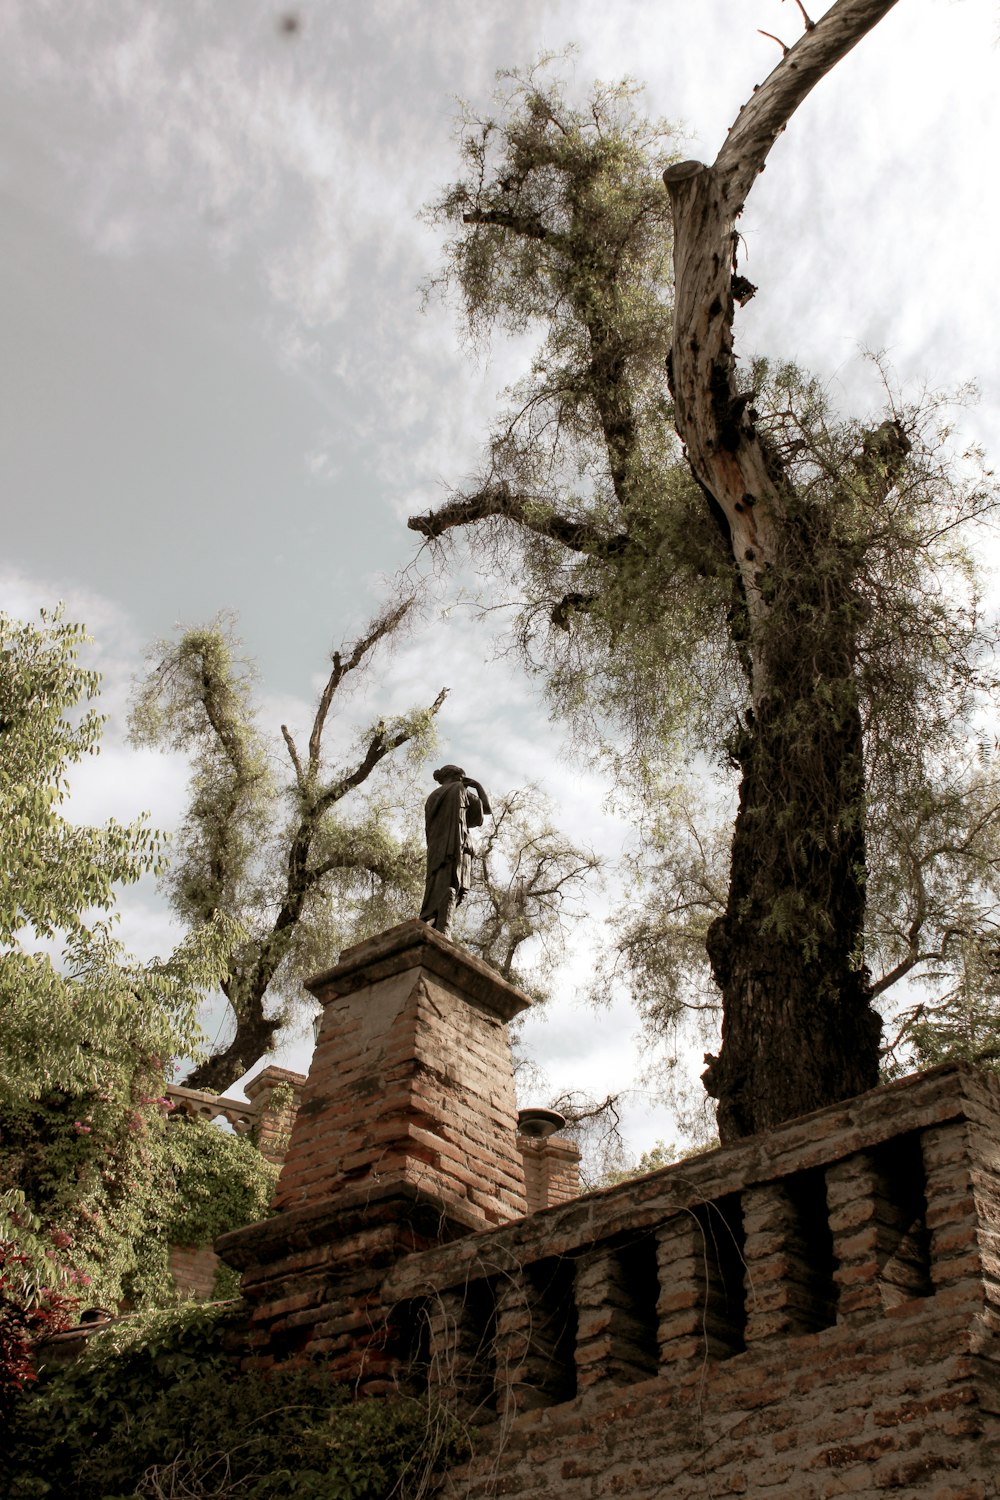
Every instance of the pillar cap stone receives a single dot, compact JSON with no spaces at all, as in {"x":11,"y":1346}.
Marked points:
{"x":269,"y":1077}
{"x":412,"y":945}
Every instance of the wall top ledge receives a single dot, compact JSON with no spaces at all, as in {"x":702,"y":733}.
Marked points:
{"x":413,"y":945}
{"x":403,"y":1206}
{"x":949,"y":1092}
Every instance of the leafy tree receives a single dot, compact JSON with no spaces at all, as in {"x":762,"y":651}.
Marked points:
{"x":786,"y":590}
{"x":87,"y":1033}
{"x":304,"y":884}
{"x":526,"y":874}
{"x":281,"y":861}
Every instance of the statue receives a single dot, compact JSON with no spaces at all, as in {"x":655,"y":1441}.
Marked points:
{"x":458,"y":804}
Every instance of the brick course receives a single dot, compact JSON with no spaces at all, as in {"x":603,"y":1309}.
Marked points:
{"x":823,"y":1305}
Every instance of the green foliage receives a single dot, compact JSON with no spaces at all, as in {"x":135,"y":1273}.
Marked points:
{"x":302,"y":866}
{"x":220,"y":1182}
{"x":54,"y":871}
{"x":197,"y":684}
{"x":87,"y":1034}
{"x":155,"y":1407}
{"x":870,"y":620}
{"x":562,"y":225}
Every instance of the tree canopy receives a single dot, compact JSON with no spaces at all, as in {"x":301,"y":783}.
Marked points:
{"x":784,"y":590}
{"x":88,"y":1034}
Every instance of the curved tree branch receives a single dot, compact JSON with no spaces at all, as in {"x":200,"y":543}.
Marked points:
{"x":725,"y":451}
{"x":497,"y":500}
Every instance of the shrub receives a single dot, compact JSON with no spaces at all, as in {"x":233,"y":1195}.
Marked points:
{"x":157,"y":1408}
{"x":26,"y":1315}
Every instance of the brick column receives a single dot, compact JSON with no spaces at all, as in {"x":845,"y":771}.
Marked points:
{"x":411,"y":1081}
{"x":789,"y":1259}
{"x":512,"y":1341}
{"x":404,"y":1137}
{"x":536,"y":1336}
{"x":876,"y":1216}
{"x":462,"y":1350}
{"x":854,"y":1191}
{"x":953,"y":1213}
{"x":615,"y":1340}
{"x":699,"y":1314}
{"x":551,"y":1170}
{"x":274,"y":1095}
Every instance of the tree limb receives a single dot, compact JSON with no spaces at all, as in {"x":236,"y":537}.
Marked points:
{"x":294,"y":754}
{"x":532,"y":229}
{"x":383,"y":626}
{"x":771,"y":106}
{"x":725,"y":451}
{"x":379,"y":747}
{"x":525,"y":510}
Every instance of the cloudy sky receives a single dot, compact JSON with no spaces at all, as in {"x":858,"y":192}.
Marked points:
{"x":220,"y":389}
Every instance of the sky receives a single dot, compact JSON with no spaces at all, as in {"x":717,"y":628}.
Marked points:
{"x":222,"y":389}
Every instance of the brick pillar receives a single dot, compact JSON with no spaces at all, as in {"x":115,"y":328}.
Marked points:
{"x":789,"y":1258}
{"x":275,"y":1095}
{"x":551,"y":1170}
{"x":536,"y":1337}
{"x":404,"y":1137}
{"x":462,"y":1324}
{"x":877,"y":1213}
{"x":954,"y":1215}
{"x":616,"y":1327}
{"x":411,"y":1081}
{"x":700,"y":1306}
{"x":854,"y":1193}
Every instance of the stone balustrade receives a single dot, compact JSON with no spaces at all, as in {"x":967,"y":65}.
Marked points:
{"x":878,"y":1207}
{"x":269,"y":1110}
{"x":809,"y":1313}
{"x":198,"y":1104}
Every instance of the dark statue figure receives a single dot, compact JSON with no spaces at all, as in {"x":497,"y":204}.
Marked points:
{"x":458,"y":804}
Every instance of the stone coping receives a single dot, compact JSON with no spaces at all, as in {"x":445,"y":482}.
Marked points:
{"x":339,"y":1219}
{"x":412,"y":945}
{"x":951,"y":1091}
{"x":270,"y":1077}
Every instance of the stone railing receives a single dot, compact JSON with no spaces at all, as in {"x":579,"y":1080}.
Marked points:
{"x":269,"y":1111}
{"x":880,"y":1207}
{"x":201,"y":1105}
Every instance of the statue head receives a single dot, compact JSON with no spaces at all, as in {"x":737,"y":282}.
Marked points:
{"x":449,"y":773}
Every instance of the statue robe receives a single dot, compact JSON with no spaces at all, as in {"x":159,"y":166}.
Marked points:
{"x":449,"y":812}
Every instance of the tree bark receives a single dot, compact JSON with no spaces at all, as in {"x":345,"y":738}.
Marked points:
{"x":798,"y":1030}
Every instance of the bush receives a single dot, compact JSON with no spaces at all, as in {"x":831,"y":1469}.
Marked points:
{"x":115,"y":1202}
{"x":156,"y":1408}
{"x":26,"y":1315}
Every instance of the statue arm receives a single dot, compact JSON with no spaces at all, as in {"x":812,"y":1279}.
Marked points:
{"x":484,"y":801}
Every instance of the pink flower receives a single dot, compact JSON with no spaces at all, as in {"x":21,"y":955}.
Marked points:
{"x":80,"y":1128}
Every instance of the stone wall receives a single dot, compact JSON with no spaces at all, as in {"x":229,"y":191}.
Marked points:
{"x":806,"y":1314}
{"x":193,"y":1268}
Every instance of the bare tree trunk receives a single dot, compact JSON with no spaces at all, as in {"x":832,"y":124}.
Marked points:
{"x":798,"y":1029}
